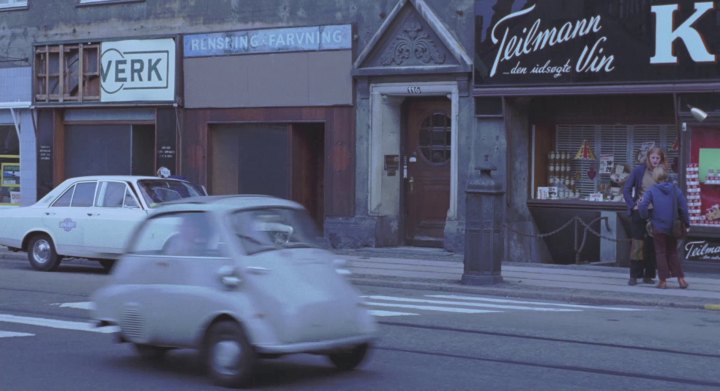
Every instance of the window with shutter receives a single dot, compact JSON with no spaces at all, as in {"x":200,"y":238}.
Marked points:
{"x":618,"y":144}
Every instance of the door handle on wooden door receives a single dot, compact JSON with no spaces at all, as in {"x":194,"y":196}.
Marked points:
{"x":411,"y":183}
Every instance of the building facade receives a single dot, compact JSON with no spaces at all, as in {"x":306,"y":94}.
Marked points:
{"x":376,"y":114}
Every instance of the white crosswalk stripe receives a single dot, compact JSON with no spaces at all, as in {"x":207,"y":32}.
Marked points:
{"x":54,"y":323}
{"x":577,"y":306}
{"x":471,"y":305}
{"x":10,"y":334}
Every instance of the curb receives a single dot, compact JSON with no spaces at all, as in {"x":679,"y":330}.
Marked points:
{"x":531,"y":293}
{"x":712,"y":307}
{"x":12,"y":255}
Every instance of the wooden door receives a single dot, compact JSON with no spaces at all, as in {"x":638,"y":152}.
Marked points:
{"x":427,"y":183}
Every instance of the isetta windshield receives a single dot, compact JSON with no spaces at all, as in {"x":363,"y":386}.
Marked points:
{"x":274,"y":228}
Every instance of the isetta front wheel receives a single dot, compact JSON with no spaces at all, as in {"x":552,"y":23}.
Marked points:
{"x":231,"y":360}
{"x":41,"y":253}
{"x":348,"y":359}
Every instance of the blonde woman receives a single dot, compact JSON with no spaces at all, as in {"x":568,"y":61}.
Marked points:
{"x":642,"y":258}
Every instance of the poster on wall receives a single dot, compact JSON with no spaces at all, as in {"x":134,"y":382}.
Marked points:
{"x":607,"y":162}
{"x":137,"y":70}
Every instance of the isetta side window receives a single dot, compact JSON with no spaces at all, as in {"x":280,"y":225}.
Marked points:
{"x":185,"y":234}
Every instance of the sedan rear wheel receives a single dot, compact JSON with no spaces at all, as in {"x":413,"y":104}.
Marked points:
{"x":230,"y":359}
{"x":41,"y":253}
{"x":348,"y":359}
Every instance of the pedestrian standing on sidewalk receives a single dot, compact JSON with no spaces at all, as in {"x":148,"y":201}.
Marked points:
{"x":642,"y":250}
{"x":665,"y":196}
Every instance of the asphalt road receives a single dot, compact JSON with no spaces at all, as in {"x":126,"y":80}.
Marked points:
{"x":429,"y":341}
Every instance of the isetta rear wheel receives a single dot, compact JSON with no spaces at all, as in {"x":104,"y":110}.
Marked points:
{"x":230,"y":359}
{"x":348,"y":359}
{"x":41,"y":253}
{"x":149,"y":352}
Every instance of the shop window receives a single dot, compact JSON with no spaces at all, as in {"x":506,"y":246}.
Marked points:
{"x":703,"y":177}
{"x":67,"y":73}
{"x":9,"y":166}
{"x":592,"y":162}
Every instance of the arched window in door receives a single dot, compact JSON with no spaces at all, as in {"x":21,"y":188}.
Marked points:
{"x":434,"y":138}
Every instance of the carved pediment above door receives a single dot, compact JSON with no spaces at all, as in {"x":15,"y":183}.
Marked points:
{"x":412,"y":41}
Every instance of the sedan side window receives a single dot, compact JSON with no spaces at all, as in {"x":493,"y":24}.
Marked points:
{"x":111,"y":195}
{"x":84,"y":194}
{"x":130,"y":201}
{"x":64,"y":200}
{"x":183,"y":234}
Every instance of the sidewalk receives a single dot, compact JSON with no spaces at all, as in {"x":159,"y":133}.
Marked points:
{"x":439,"y":270}
{"x":436,"y":269}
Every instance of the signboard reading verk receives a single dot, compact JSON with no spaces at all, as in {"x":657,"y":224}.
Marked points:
{"x":138,"y":70}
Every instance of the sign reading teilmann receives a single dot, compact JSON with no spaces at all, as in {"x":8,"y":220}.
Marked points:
{"x":296,"y":39}
{"x":138,"y":70}
{"x":597,"y":41}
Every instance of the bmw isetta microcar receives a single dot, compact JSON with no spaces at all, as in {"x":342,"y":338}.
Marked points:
{"x":238,"y":278}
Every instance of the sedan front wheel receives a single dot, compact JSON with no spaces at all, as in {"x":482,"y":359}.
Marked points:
{"x":41,"y":253}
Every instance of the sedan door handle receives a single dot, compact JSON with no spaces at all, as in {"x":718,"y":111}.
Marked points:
{"x":49,"y":213}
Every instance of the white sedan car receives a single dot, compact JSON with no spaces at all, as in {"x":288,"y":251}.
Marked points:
{"x":87,"y":217}
{"x":238,"y":278}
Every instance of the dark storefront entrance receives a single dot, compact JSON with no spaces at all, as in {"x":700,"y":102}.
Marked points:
{"x":109,"y":149}
{"x":282,"y":160}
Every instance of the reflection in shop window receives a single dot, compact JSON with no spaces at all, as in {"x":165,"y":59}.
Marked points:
{"x":9,"y":166}
{"x":702,"y":178}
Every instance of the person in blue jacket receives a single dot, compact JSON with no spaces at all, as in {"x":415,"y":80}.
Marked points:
{"x":642,"y":259}
{"x":662,"y":197}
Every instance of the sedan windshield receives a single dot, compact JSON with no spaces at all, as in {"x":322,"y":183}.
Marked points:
{"x":156,"y":191}
{"x":273,"y":229}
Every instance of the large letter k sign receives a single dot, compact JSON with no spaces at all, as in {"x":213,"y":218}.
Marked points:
{"x":665,"y":35}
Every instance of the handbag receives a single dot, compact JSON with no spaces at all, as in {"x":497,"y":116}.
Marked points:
{"x":679,"y":230}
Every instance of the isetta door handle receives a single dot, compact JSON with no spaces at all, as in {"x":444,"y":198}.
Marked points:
{"x":257,"y":270}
